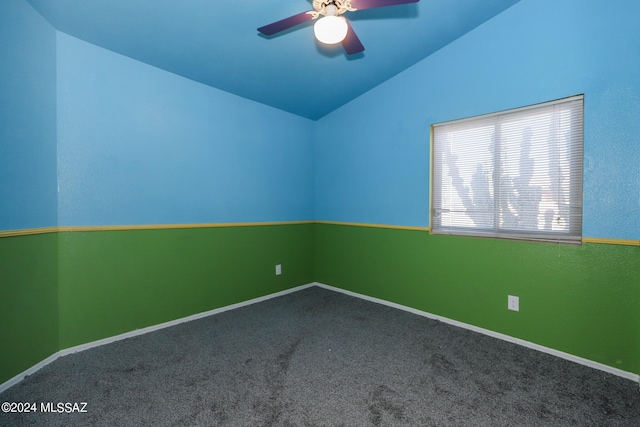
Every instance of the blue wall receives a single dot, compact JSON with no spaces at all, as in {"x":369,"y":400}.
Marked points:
{"x":138,"y":145}
{"x":89,"y":137}
{"x":374,"y":167}
{"x":28,"y":194}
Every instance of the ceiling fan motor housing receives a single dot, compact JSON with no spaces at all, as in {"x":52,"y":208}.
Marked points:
{"x":332,"y":7}
{"x":330,"y":11}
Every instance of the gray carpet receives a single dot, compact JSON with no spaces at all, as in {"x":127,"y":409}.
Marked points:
{"x":321,"y":358}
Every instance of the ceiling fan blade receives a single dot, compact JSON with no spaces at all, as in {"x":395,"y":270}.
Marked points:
{"x":351,"y":42}
{"x":285,"y":24}
{"x":371,"y":4}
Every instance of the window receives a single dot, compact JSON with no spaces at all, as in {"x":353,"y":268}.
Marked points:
{"x":515,"y":174}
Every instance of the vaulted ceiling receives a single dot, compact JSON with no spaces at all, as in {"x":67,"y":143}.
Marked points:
{"x":216,"y":43}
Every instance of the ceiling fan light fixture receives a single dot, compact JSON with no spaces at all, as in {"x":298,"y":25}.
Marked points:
{"x":331,"y":29}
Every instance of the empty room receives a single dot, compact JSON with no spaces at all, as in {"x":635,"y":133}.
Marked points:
{"x":208,"y":216}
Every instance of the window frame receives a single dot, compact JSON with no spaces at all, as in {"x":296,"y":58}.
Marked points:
{"x":573,"y":235}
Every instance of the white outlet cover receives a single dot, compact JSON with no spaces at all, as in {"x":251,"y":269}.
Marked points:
{"x":278,"y":269}
{"x":513,"y":303}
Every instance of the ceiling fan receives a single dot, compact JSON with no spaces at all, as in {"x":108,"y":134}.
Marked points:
{"x":332,"y":28}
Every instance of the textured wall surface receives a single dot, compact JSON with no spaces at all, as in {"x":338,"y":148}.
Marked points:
{"x":583,"y":300}
{"x":28,"y":302}
{"x":374,"y":167}
{"x":28,"y":194}
{"x":138,"y":145}
{"x":103,"y":140}
{"x":123,"y":143}
{"x":112,"y":282}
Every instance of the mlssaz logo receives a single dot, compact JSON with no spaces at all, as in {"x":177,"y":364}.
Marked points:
{"x":63,"y":407}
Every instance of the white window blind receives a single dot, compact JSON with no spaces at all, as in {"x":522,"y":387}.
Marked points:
{"x":514,"y":174}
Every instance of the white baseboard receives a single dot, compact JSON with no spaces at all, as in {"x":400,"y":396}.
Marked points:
{"x":32,"y":370}
{"x":582,"y":361}
{"x":196,"y":316}
{"x":7,"y":384}
{"x":590,"y":363}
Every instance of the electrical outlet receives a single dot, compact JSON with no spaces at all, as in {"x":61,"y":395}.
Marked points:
{"x":513,"y":303}
{"x":278,"y":269}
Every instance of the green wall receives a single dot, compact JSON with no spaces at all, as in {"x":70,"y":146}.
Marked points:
{"x":112,"y":282}
{"x":28,"y":188}
{"x":28,"y":302}
{"x":59,"y":290}
{"x":583,"y":300}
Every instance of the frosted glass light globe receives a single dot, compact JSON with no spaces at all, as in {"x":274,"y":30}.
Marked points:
{"x":330,"y":29}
